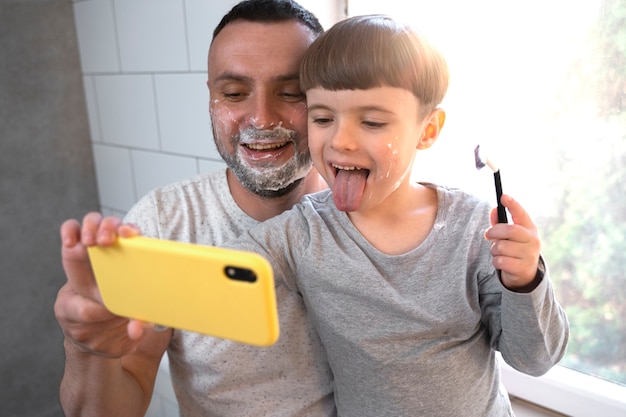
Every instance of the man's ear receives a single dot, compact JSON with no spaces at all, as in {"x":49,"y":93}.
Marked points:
{"x":433,"y":125}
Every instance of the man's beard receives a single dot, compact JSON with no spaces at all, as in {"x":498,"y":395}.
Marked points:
{"x":269,"y":181}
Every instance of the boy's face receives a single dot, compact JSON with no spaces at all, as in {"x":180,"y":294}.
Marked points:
{"x":257,"y":109}
{"x":363,"y":143}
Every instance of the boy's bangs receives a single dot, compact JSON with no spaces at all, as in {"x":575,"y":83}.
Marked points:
{"x":359,"y":60}
{"x":374,"y":51}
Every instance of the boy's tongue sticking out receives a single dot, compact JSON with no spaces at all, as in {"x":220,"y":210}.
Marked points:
{"x":348,"y":188}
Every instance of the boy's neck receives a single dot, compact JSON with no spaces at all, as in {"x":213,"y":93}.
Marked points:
{"x":397,"y":228}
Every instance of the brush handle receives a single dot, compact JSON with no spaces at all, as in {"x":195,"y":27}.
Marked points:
{"x":502,"y":218}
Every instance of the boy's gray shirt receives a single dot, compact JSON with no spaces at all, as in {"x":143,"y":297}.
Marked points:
{"x":220,"y":378}
{"x":413,"y":334}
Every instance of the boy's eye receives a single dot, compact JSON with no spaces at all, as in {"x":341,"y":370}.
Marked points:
{"x":321,"y":120}
{"x":373,"y":125}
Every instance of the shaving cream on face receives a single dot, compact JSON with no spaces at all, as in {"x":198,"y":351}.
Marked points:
{"x":260,"y":167}
{"x":259,"y":174}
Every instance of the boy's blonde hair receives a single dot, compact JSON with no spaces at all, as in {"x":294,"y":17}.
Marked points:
{"x":363,"y":52}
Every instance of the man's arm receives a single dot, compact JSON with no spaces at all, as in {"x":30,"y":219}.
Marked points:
{"x":111,"y":362}
{"x":93,"y":385}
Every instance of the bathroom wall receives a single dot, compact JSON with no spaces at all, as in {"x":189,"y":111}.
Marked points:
{"x":46,"y":175}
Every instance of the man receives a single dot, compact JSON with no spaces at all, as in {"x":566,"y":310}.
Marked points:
{"x":259,"y":124}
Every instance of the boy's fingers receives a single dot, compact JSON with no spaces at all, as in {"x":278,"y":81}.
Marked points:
{"x":522,"y":229}
{"x":515,"y":247}
{"x":518,"y":214}
{"x":493,"y":216}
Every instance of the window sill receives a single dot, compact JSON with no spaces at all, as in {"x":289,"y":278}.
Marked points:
{"x":567,"y":391}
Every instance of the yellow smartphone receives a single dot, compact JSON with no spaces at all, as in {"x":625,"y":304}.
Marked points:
{"x":205,"y":289}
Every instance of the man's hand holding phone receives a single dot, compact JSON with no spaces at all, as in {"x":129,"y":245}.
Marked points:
{"x":87,"y":324}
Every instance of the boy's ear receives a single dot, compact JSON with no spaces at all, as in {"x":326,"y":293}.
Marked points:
{"x":434,"y":123}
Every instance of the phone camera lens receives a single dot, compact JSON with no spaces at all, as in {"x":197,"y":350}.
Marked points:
{"x":240,"y":274}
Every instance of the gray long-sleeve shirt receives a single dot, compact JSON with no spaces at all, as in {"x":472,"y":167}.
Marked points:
{"x":413,"y":334}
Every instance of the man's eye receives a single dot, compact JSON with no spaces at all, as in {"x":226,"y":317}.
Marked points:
{"x":289,"y":96}
{"x":234,"y":96}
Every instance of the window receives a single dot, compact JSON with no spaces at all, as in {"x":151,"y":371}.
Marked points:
{"x":542,"y":86}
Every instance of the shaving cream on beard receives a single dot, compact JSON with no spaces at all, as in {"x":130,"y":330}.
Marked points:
{"x":262,"y":180}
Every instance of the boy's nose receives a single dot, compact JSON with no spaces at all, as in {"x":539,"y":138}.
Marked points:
{"x":344,"y":138}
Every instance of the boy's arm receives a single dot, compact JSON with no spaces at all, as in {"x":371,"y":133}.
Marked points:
{"x":107,"y":372}
{"x":534,"y":327}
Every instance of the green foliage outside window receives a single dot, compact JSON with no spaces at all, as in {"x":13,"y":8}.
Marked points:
{"x":585,"y":240}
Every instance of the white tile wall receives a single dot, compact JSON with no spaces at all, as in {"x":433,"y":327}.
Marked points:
{"x":183,"y":111}
{"x":210,"y":166}
{"x":127,"y":110}
{"x":171,"y":168}
{"x":152,"y":35}
{"x":144,"y":73}
{"x":114,"y":175}
{"x":202,"y":17}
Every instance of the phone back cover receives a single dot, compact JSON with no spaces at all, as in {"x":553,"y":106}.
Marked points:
{"x":184,"y":286}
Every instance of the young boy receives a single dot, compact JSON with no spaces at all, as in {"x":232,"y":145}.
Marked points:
{"x":401,"y":278}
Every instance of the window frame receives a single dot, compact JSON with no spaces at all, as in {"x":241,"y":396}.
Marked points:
{"x":567,"y":391}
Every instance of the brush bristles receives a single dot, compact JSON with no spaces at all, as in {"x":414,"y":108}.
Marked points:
{"x":480,"y":162}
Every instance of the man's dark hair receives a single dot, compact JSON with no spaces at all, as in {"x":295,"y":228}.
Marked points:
{"x":269,"y":11}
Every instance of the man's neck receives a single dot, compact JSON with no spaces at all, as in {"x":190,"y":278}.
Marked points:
{"x":263,"y":208}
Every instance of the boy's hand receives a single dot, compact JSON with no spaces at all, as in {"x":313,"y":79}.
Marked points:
{"x":515,"y":247}
{"x":88,"y":326}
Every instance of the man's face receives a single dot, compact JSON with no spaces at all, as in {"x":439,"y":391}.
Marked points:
{"x":257,"y":109}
